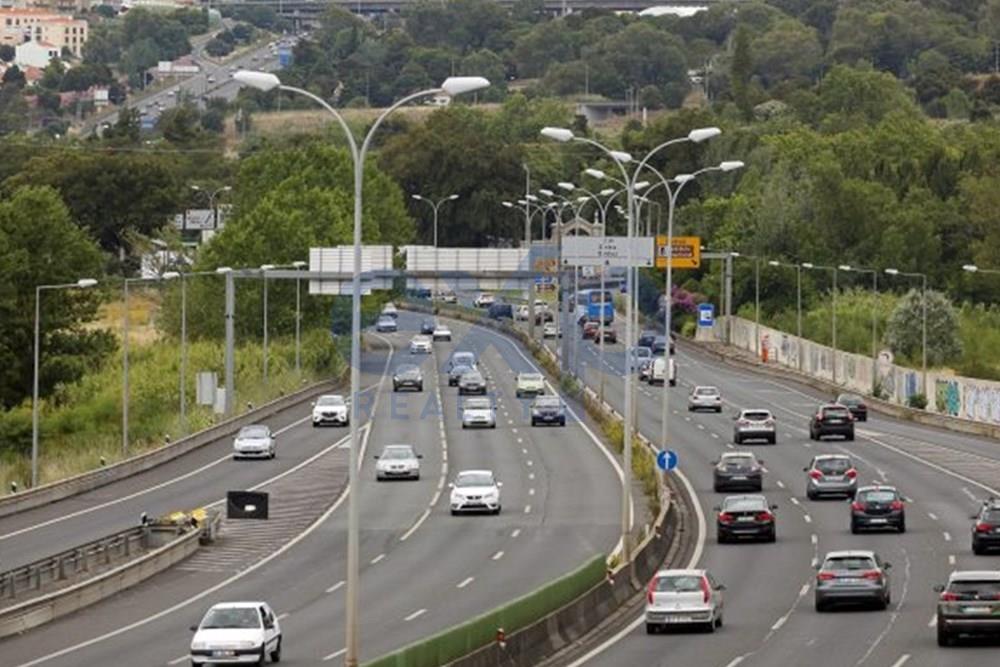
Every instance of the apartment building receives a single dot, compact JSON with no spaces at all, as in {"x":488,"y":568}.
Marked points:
{"x":41,"y":25}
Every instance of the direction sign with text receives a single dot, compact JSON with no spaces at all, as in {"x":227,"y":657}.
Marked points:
{"x":607,"y":251}
{"x":686,"y":253}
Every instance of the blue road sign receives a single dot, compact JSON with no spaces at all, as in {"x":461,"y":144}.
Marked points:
{"x":666,"y":460}
{"x":706,"y":314}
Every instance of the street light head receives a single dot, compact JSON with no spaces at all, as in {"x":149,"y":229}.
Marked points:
{"x":170,"y":275}
{"x":731,"y":165}
{"x":417,"y":197}
{"x":595,"y":173}
{"x":264,"y":81}
{"x":531,"y":197}
{"x":683,"y":178}
{"x":457,"y":85}
{"x":621,"y":156}
{"x":298,"y":264}
{"x":892,"y":272}
{"x":641,"y":185}
{"x":522,"y":202}
{"x":774,"y":262}
{"x":224,"y":269}
{"x":606,"y":192}
{"x":452,"y":197}
{"x":225,"y":188}
{"x":807,"y":265}
{"x":845,"y":267}
{"x":86,"y":282}
{"x":583,"y":200}
{"x":566,"y":185}
{"x":266,"y":267}
{"x":507,"y":204}
{"x":734,"y":254}
{"x":971,"y":268}
{"x":195,"y":187}
{"x":547,"y":193}
{"x":703,"y":133}
{"x":560,"y":134}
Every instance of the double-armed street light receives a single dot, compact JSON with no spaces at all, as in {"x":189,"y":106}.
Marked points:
{"x":923,"y":317}
{"x":435,"y":205}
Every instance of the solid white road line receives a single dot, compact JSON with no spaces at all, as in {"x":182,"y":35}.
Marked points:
{"x":903,"y":659}
{"x":417,"y":614}
{"x":735,"y":661}
{"x":780,"y":622}
{"x":337,"y":654}
{"x":335,"y":587}
{"x":527,"y":509}
{"x":465,"y":582}
{"x":177,"y":661}
{"x":423,"y":517}
{"x":933,"y":621}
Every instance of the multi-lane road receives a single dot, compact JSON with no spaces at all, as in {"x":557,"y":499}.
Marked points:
{"x":770,"y":619}
{"x":422,"y":569}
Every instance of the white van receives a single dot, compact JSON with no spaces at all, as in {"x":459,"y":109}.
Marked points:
{"x":659,"y":365}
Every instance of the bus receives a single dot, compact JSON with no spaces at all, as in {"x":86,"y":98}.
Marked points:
{"x":588,"y":306}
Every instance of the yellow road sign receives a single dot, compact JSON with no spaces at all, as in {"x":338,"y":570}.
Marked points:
{"x":686,"y":252}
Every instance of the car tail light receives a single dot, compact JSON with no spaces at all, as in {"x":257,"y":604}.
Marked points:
{"x":744,"y":422}
{"x":896,"y":505}
{"x":769,"y":422}
{"x":851,"y":474}
{"x":764,"y":516}
{"x":725,"y":517}
{"x":982,"y":527}
{"x":650,"y":589}
{"x":872,"y":574}
{"x":857,"y":507}
{"x":948,"y":596}
{"x":816,"y":474}
{"x":706,"y":590}
{"x":826,"y":576}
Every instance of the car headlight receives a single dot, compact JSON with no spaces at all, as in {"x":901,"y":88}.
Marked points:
{"x":199,"y":646}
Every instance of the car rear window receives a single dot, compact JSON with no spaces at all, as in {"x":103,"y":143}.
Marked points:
{"x":477,"y":403}
{"x":744,"y":505}
{"x":991,"y":516}
{"x":706,"y":391}
{"x":984,"y":590}
{"x":849,"y":563}
{"x":253,"y":432}
{"x":847,"y":399}
{"x":833,"y":466}
{"x":678,"y":583}
{"x":878,"y":496}
{"x":835,"y":412}
{"x":548,"y":402}
{"x":531,"y":377}
{"x":756,"y":415}
{"x":737,"y":460}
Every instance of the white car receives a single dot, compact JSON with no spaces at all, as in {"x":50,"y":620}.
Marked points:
{"x":478,"y":412}
{"x":529,"y":384}
{"x":522,"y":313}
{"x":705,"y":398}
{"x":386,"y":324}
{"x":254,"y":441}
{"x":237,"y":632}
{"x":484,"y":300}
{"x":330,"y":409}
{"x":657,"y":372}
{"x":441,"y":332}
{"x":447,"y":296}
{"x":398,"y":462}
{"x":475,"y":491}
{"x":390,"y":310}
{"x":420,"y":345}
{"x":550,"y":330}
{"x":688,"y":597}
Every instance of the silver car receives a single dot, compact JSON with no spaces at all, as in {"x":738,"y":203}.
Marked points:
{"x":478,"y":412}
{"x":831,"y":475}
{"x":471,"y":382}
{"x":705,"y":398}
{"x":254,"y":442}
{"x":397,"y":462}
{"x":969,"y":604}
{"x":756,"y":424}
{"x":853,"y":577}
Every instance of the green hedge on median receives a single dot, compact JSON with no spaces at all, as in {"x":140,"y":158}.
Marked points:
{"x":463,"y":639}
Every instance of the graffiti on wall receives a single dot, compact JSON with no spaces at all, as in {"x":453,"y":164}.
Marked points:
{"x":946,"y":397}
{"x":981,"y":403}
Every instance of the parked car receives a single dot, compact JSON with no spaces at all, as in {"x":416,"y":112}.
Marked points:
{"x":738,"y":470}
{"x":471,"y":382}
{"x":255,"y":441}
{"x":478,"y":412}
{"x":969,"y":604}
{"x":397,"y":462}
{"x":386,"y":324}
{"x":705,"y":398}
{"x":441,"y":332}
{"x":852,"y":577}
{"x":475,"y":491}
{"x":548,"y":410}
{"x":755,"y":424}
{"x":529,"y":384}
{"x":330,"y":409}
{"x":408,"y":376}
{"x":855,"y":405}
{"x":831,"y":475}
{"x":745,"y":517}
{"x":237,"y":632}
{"x":550,"y":330}
{"x":831,"y":419}
{"x":657,"y":374}
{"x":484,"y":300}
{"x":986,"y":529}
{"x":684,"y":597}
{"x":421,"y":345}
{"x":878,"y":506}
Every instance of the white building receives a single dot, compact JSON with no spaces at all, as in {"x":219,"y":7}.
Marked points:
{"x":35,"y":54}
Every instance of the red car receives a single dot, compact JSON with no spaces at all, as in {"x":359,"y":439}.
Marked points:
{"x":590,"y":330}
{"x":609,"y":336}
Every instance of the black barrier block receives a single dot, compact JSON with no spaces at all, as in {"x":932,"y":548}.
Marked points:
{"x":246,"y":505}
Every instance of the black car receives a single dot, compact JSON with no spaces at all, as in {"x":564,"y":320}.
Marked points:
{"x":738,"y":470}
{"x":427,"y":327}
{"x":878,"y":507}
{"x":456,"y":373}
{"x":745,"y":517}
{"x":548,"y":410}
{"x":986,"y":529}
{"x":408,"y":376}
{"x":501,"y":311}
{"x":855,"y":404}
{"x":831,"y":419}
{"x":471,"y":382}
{"x":659,"y":346}
{"x":646,"y":339}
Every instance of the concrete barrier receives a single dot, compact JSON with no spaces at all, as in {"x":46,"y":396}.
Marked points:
{"x":36,"y":611}
{"x":93,"y":479}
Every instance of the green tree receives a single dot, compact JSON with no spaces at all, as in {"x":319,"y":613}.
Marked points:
{"x":788,"y":51}
{"x":7,"y":53}
{"x":904,"y":330}
{"x":741,"y":70}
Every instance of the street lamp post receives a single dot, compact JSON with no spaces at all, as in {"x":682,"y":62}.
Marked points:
{"x":264,"y":268}
{"x":299,"y":265}
{"x":833,"y":314}
{"x":451,"y":87}
{"x":874,"y":272}
{"x":923,"y":308}
{"x":798,"y":306}
{"x":83,"y":283}
{"x":435,"y":205}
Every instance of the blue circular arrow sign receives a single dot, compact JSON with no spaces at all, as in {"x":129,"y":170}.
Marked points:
{"x":666,"y":460}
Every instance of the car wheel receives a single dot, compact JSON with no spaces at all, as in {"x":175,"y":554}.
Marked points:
{"x":262,"y":660}
{"x":690,"y":408}
{"x":493,"y":425}
{"x":820,"y":605}
{"x":710,"y":626}
{"x":534,"y":423}
{"x":737,"y":440}
{"x":977,"y":550}
{"x":395,"y":387}
{"x":562,"y":422}
{"x":944,"y":637}
{"x":718,"y":621}
{"x":454,"y":513}
{"x":315,"y":425}
{"x":720,"y":539}
{"x":719,"y":410}
{"x":902,"y":526}
{"x":420,"y":387}
{"x":276,"y":653}
{"x":773,"y":537}
{"x":850,"y":436}
{"x":651,"y":628}
{"x":773,"y":439}
{"x":810,"y":495}
{"x":463,"y":425}
{"x":854,"y":528}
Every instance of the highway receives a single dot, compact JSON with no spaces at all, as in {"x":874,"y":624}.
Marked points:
{"x":769,"y":615}
{"x":422,"y":569}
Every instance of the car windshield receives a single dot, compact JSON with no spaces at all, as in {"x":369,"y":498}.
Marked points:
{"x":548,"y":402}
{"x":330,"y":400}
{"x":253,"y":432}
{"x":706,"y":391}
{"x":877,"y":496}
{"x":472,"y":376}
{"x":849,"y":563}
{"x":474,"y":479}
{"x":407,"y":369}
{"x":385,"y":318}
{"x":231,"y":617}
{"x":397,"y":453}
{"x":849,"y":399}
{"x":835,"y":412}
{"x":531,"y":377}
{"x":466,"y":358}
{"x":477,"y":404}
{"x":756,"y":415}
{"x":742,"y":461}
{"x":678,"y":583}
{"x":753,"y":504}
{"x":984,"y":590}
{"x":643,"y":352}
{"x":833,"y":466}
{"x":461,"y":369}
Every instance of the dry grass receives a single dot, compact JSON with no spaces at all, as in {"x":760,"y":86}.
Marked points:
{"x":142,"y":312}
